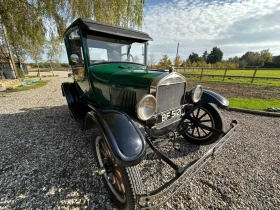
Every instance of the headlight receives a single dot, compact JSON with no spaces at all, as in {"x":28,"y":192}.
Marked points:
{"x":146,"y":107}
{"x":196,"y":93}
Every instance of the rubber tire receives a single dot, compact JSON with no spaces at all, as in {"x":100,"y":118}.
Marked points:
{"x":131,"y":179}
{"x":218,"y":120}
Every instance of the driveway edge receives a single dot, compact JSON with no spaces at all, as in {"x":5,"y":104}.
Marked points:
{"x":271,"y":114}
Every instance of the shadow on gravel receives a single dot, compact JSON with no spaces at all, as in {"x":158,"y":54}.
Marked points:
{"x":46,"y":162}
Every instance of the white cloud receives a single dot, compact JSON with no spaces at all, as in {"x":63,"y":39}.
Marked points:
{"x":234,"y":26}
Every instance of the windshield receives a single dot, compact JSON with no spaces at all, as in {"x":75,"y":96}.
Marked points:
{"x":102,"y":49}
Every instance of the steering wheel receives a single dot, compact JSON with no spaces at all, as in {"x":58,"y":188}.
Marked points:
{"x":129,"y":55}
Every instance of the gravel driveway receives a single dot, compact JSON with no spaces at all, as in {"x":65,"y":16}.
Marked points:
{"x":46,"y":161}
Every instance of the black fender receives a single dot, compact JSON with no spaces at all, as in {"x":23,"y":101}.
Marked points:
{"x":211,"y":97}
{"x":69,"y":91}
{"x":124,"y":138}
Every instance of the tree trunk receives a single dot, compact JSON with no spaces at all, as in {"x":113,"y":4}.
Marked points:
{"x":20,"y":67}
{"x":51,"y":69}
{"x":38,"y":75}
{"x":11,"y":60}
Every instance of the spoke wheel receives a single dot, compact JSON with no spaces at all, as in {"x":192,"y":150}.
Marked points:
{"x":198,"y":123}
{"x":112,"y":175}
{"x":122,"y":183}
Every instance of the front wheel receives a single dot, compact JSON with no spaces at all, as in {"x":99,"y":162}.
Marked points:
{"x":122,"y":183}
{"x":196,"y":124}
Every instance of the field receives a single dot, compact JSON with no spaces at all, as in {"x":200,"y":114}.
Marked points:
{"x":229,"y":78}
{"x":248,"y":96}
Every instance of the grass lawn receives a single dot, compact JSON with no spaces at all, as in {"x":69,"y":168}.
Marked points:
{"x":42,"y":76}
{"x":253,"y":103}
{"x":228,"y":79}
{"x":38,"y":84}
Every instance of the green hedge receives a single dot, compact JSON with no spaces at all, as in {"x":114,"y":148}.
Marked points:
{"x":20,"y":73}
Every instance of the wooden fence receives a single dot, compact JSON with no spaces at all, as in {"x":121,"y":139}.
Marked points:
{"x":185,"y":70}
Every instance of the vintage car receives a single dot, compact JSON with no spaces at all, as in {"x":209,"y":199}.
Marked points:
{"x":132,"y":111}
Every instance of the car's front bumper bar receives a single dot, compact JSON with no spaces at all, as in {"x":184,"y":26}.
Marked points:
{"x":162,"y":194}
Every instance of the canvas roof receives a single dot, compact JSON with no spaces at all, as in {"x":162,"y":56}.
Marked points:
{"x":108,"y":29}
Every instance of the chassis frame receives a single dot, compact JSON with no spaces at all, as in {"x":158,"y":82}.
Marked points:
{"x":159,"y":196}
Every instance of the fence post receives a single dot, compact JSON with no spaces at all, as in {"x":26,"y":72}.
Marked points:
{"x":255,"y":72}
{"x":201,"y":74}
{"x":225,"y":74}
{"x":184,"y":70}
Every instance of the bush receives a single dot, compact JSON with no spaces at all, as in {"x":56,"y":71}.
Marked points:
{"x":20,"y":73}
{"x":65,"y":65}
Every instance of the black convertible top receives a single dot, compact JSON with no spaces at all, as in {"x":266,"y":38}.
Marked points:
{"x":107,"y":29}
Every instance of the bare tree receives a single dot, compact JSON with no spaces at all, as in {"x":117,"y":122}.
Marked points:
{"x":152,"y":61}
{"x":136,"y":59}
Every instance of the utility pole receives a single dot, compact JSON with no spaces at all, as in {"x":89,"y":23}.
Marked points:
{"x":177,"y":52}
{"x":177,"y":49}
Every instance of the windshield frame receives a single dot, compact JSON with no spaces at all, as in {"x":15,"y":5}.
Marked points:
{"x":109,"y":36}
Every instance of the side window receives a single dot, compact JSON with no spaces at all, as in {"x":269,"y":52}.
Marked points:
{"x":76,"y":46}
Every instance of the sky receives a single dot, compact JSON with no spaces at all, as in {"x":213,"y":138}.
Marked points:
{"x":235,"y":26}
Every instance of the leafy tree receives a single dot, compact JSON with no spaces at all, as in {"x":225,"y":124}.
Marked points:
{"x":35,"y":52}
{"x":276,"y":59}
{"x":27,"y":21}
{"x":266,"y":55}
{"x":204,"y":55}
{"x":232,"y":62}
{"x":177,"y":61}
{"x":234,"y":59}
{"x":215,"y":56}
{"x":32,"y":18}
{"x":193,"y":57}
{"x":165,"y":62}
{"x":194,"y":64}
{"x":65,"y":65}
{"x":188,"y":63}
{"x":242,"y":63}
{"x":251,"y":59}
{"x":200,"y":62}
{"x":220,"y":64}
{"x":53,"y":50}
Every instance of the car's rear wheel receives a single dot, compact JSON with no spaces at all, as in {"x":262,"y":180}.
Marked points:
{"x":197,"y":124}
{"x":122,"y":183}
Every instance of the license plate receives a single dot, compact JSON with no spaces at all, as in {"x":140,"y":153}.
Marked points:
{"x":176,"y":113}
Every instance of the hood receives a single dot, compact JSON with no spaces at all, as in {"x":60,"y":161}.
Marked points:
{"x":128,"y":86}
{"x":131,"y":78}
{"x":122,"y":85}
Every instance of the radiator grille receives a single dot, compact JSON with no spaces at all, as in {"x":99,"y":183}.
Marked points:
{"x":123,"y":98}
{"x":170,"y":96}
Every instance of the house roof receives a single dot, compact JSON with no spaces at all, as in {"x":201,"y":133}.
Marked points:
{"x":108,"y":29}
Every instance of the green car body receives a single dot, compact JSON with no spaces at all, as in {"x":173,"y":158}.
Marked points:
{"x":129,"y":106}
{"x":118,"y":84}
